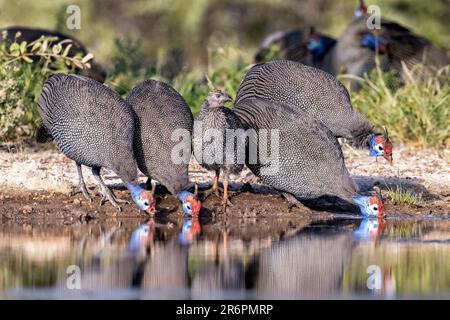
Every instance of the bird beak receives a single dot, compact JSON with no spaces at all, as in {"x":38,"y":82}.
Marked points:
{"x":228,"y":99}
{"x":388,"y":157}
{"x":151,"y":210}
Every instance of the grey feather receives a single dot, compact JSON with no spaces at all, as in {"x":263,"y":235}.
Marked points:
{"x":311,"y":164}
{"x":160,"y":110}
{"x":90,"y":123}
{"x":308,"y":89}
{"x":219,"y":118}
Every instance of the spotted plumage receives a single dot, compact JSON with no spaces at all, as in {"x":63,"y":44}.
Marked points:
{"x":161,"y":110}
{"x":162,"y":119}
{"x":307,"y":163}
{"x":310,"y":159}
{"x":213,"y":152}
{"x":93,"y":126}
{"x":308,"y":89}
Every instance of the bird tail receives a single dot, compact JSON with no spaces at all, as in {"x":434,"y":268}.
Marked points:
{"x":43,"y":135}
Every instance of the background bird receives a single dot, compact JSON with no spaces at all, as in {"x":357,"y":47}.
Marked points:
{"x":319,"y":94}
{"x":306,"y":46}
{"x":307,"y":163}
{"x":162,"y":118}
{"x":93,"y":126}
{"x":212,"y":147}
{"x":394,"y":44}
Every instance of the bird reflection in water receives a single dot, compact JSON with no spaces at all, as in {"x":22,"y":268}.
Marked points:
{"x":370,"y":229}
{"x":189,"y":231}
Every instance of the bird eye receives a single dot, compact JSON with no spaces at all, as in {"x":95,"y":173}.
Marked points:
{"x":217,"y":95}
{"x":379,"y":148}
{"x":146,"y":203}
{"x":375,"y":208}
{"x":188,"y":206}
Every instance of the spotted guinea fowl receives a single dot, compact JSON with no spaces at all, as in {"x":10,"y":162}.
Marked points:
{"x":219,"y":144}
{"x":93,"y":126}
{"x":162,"y":119}
{"x":306,"y":160}
{"x":395,"y":45}
{"x":319,"y":94}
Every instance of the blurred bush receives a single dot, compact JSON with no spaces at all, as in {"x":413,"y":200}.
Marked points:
{"x":23,"y":70}
{"x":417,"y":112}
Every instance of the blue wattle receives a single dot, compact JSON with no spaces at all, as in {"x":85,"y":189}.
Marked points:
{"x":372,"y":42}
{"x":372,"y":152}
{"x":135,"y":191}
{"x":317,"y":48}
{"x":362,"y":202}
{"x":183,"y":195}
{"x":358,"y":13}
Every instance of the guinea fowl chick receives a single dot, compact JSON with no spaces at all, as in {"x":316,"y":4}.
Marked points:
{"x":219,"y":142}
{"x":92,"y":125}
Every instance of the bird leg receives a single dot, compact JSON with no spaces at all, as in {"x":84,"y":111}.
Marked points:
{"x":81,"y":186}
{"x":293,"y":201}
{"x":106,"y":193}
{"x":215,"y":187}
{"x":225,"y":201}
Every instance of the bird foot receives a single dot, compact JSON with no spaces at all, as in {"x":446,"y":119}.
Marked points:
{"x":81,"y":188}
{"x":107,"y":195}
{"x":293,"y":202}
{"x":208,"y":193}
{"x":226,"y":204}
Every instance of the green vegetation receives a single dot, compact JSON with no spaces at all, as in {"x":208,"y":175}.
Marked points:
{"x":217,"y":44}
{"x":417,"y":112}
{"x":399,"y":195}
{"x":23,"y":70}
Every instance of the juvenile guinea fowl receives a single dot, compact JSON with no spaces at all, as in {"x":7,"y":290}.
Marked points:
{"x":162,"y":119}
{"x":93,"y":126}
{"x":319,"y":94}
{"x":219,"y":144}
{"x":357,"y":47}
{"x":307,"y":162}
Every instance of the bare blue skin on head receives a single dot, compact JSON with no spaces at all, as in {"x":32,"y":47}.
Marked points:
{"x":136,"y":192}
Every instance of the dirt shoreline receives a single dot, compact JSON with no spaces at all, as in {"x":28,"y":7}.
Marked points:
{"x":35,"y":182}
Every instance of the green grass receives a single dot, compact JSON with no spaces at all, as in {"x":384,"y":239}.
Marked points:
{"x":417,"y":113}
{"x":399,"y":195}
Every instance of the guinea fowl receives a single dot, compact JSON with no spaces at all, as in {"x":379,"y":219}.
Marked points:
{"x":93,"y":126}
{"x":290,"y":44}
{"x":219,"y":143}
{"x":320,"y":48}
{"x":308,"y":163}
{"x":357,"y":47}
{"x":312,"y":48}
{"x":319,"y":94}
{"x":161,"y":113}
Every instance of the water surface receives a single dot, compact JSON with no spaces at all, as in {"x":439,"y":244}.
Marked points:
{"x":247,"y":258}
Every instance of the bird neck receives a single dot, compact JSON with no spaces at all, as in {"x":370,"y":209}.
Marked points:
{"x":135,"y":190}
{"x":207,"y":106}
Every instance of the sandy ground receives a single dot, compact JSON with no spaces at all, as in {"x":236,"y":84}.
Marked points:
{"x":36,"y":181}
